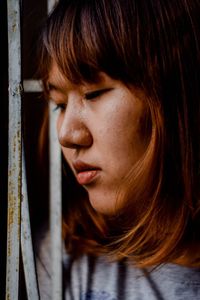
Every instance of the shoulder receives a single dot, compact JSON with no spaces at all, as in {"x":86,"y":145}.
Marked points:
{"x":97,"y":278}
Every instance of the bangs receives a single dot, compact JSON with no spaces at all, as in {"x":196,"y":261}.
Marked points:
{"x":88,"y":37}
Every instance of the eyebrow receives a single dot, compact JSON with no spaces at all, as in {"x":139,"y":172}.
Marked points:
{"x":53,"y":87}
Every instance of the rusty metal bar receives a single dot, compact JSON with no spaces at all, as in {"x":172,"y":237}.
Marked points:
{"x":14,"y":156}
{"x":26,"y":240}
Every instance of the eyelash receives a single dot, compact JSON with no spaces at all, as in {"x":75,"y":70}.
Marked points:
{"x":87,"y":96}
{"x":60,"y":107}
{"x":95,"y":94}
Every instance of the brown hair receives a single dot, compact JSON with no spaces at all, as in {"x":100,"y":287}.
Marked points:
{"x":153,"y":46}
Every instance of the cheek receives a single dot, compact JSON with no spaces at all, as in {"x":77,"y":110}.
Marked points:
{"x":123,"y":131}
{"x":67,"y":153}
{"x":124,"y":144}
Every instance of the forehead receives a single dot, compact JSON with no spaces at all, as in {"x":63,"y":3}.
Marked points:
{"x":56,"y":80}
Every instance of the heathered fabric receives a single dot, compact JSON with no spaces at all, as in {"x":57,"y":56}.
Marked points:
{"x":89,"y":278}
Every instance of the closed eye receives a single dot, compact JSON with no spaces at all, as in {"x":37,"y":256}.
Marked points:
{"x":61,"y":107}
{"x":96,"y":94}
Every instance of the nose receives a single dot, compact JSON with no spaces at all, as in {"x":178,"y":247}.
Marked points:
{"x":72,"y":130}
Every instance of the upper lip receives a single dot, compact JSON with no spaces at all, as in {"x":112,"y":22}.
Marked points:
{"x":81,"y":166}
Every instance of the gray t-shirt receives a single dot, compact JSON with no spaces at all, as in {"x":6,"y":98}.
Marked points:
{"x":89,"y":278}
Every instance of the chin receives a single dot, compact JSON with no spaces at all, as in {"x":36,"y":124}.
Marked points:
{"x":103,"y":206}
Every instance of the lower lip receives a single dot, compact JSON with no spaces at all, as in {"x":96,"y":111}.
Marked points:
{"x":86,"y":177}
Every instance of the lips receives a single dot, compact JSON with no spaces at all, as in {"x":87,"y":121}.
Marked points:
{"x":85,"y":173}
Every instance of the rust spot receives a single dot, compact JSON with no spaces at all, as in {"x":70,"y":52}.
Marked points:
{"x":17,"y":90}
{"x":14,"y":190}
{"x":8,"y":296}
{"x":14,"y":27}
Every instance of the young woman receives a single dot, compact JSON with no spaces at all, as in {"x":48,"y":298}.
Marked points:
{"x":125,"y":76}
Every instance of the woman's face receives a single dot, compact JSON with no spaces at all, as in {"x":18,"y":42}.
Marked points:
{"x":99,"y":129}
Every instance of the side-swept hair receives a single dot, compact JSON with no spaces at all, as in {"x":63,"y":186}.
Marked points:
{"x":153,"y":46}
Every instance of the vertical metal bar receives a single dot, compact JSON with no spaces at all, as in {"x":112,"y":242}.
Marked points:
{"x":26,"y":240}
{"x":55,"y":209}
{"x":50,"y":5}
{"x":14,"y":156}
{"x":55,"y":201}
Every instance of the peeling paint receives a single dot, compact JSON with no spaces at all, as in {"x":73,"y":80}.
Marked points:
{"x":16,"y":89}
{"x":14,"y":27}
{"x":14,"y":155}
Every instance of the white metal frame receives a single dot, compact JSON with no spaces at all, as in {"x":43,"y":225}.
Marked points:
{"x":55,"y":200}
{"x":19,"y":228}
